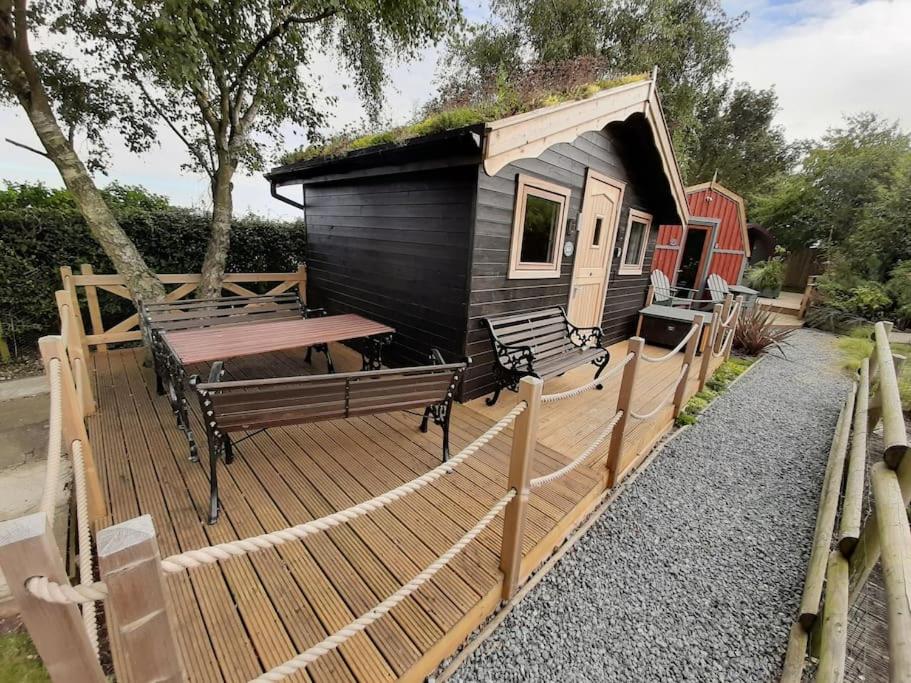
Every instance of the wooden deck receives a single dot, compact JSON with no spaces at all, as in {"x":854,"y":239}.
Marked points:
{"x":243,"y":616}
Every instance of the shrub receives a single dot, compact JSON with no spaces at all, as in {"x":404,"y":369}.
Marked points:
{"x":41,"y":229}
{"x":858,"y":344}
{"x":756,"y":332}
{"x":899,"y":288}
{"x":766,"y":275}
{"x":726,"y":373}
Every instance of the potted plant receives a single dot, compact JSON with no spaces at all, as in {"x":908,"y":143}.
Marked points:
{"x":767,"y":276}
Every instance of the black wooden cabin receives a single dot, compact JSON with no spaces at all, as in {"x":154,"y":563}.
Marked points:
{"x":433,"y":234}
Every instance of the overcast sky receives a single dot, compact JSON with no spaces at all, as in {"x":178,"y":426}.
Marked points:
{"x":826,"y":58}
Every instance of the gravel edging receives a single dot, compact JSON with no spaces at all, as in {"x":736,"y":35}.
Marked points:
{"x":695,"y":572}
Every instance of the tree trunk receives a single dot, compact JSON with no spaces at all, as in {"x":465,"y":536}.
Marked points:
{"x":213,"y":266}
{"x":21,"y":73}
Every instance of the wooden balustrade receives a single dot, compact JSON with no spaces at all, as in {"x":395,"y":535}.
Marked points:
{"x":87,"y":284}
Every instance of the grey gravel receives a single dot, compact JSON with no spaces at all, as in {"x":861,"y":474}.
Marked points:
{"x":695,"y":572}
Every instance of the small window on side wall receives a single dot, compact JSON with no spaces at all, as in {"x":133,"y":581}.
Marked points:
{"x":635,"y":243}
{"x":539,"y":225}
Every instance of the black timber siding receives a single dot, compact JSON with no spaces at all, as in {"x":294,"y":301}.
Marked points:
{"x":395,"y":249}
{"x":621,"y":151}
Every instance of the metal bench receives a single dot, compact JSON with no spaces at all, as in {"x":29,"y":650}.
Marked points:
{"x":542,"y":344}
{"x":258,"y":404}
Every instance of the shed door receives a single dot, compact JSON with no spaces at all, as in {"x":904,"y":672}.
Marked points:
{"x":594,"y":247}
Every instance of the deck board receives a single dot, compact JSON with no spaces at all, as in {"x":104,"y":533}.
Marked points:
{"x":239,"y":617}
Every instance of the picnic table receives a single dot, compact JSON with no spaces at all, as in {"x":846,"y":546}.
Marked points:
{"x":185,"y":347}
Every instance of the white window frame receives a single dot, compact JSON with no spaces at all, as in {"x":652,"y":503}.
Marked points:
{"x":640,"y":217}
{"x":528,"y":185}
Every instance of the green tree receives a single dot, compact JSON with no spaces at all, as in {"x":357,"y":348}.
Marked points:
{"x":689,"y":40}
{"x":738,"y":139}
{"x":839,"y":177}
{"x":225,"y":75}
{"x":50,"y":91}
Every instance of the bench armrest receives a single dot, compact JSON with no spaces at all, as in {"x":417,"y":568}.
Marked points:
{"x":315,"y":312}
{"x":514,"y":357}
{"x":585,"y":337}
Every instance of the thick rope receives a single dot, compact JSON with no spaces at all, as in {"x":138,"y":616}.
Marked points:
{"x":85,"y":543}
{"x":673,"y":352}
{"x":582,"y":457}
{"x":725,"y":340}
{"x":224,"y":551}
{"x":551,"y":398}
{"x":54,"y":441}
{"x":361,"y":623}
{"x":666,"y":400}
{"x":731,"y":316}
{"x":65,"y":594}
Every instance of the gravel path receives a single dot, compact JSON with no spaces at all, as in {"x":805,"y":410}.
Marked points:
{"x":695,"y":572}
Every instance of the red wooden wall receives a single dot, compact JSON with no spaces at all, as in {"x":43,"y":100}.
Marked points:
{"x":729,"y":250}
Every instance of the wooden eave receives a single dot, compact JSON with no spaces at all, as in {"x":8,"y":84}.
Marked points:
{"x":528,"y":135}
{"x":714,"y":186}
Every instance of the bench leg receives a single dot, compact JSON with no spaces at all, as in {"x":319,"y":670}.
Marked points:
{"x":425,"y":419}
{"x":213,"y":483}
{"x":229,"y":449}
{"x":491,"y":400}
{"x":446,"y":438}
{"x":601,"y":365}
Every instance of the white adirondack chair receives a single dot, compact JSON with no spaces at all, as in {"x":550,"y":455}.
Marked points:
{"x":665,"y":295}
{"x":718,"y":288}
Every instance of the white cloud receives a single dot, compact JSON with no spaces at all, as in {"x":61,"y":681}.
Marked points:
{"x":844,"y":60}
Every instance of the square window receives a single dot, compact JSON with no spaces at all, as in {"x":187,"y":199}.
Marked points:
{"x":635,"y":243}
{"x":539,"y":225}
{"x":596,"y":237}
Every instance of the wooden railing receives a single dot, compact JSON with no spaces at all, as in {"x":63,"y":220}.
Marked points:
{"x":835,"y":577}
{"x":133,"y":572}
{"x":86,"y":286}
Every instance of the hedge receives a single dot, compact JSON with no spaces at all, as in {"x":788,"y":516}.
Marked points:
{"x":41,"y":230}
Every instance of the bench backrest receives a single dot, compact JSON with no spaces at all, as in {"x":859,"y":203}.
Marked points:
{"x":261,"y":403}
{"x":661,"y":286}
{"x":718,"y":288}
{"x":227,"y":310}
{"x":546,"y":332}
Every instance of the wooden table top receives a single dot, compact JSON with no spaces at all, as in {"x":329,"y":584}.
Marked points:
{"x":672,"y":313}
{"x":232,"y":341}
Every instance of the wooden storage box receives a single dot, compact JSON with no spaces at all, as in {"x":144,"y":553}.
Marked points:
{"x":664,"y":332}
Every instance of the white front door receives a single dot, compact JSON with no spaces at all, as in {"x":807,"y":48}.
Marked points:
{"x":594,"y":248}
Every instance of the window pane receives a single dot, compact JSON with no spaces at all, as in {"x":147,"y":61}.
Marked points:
{"x":596,"y":239}
{"x":634,"y":246}
{"x":540,"y":227}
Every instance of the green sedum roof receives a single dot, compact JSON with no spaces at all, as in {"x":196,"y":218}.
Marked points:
{"x":504,"y":105}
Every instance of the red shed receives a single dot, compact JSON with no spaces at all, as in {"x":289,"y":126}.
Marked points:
{"x":714,"y":241}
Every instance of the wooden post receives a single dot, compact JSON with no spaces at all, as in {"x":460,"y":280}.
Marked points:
{"x":302,"y":283}
{"x":738,"y":308}
{"x":76,"y":353}
{"x":895,"y":540}
{"x":524,"y":442}
{"x":725,"y":312}
{"x":895,"y":439}
{"x":137,"y":604}
{"x":852,"y":505}
{"x":708,"y":349}
{"x":66,"y":274}
{"x":688,"y":357}
{"x":74,"y":424}
{"x":27,"y":549}
{"x":91,"y":298}
{"x":833,"y":647}
{"x":825,"y":519}
{"x":624,"y":403}
{"x":792,"y":671}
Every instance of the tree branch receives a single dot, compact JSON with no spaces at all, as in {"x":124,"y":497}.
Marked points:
{"x":274,"y":33}
{"x":30,"y":149}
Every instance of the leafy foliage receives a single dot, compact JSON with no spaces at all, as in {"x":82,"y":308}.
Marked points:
{"x":41,"y":229}
{"x":858,"y":344}
{"x":537,"y":86}
{"x":899,"y":288}
{"x":756,"y":332}
{"x":765,"y":275}
{"x":726,"y":373}
{"x":19,"y":661}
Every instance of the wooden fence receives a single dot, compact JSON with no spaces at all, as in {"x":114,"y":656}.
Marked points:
{"x":132,"y":571}
{"x":86,"y":287}
{"x":835,"y":577}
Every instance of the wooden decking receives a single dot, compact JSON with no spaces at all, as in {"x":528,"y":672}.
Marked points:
{"x":243,"y":616}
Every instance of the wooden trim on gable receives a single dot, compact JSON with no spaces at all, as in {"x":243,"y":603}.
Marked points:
{"x":528,"y":135}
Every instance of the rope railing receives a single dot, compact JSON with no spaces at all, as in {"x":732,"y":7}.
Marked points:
{"x":537,"y":482}
{"x":667,"y":400}
{"x":54,"y":441}
{"x":570,"y":393}
{"x":84,"y":539}
{"x":361,"y":623}
{"x":51,"y":591}
{"x":674,"y":351}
